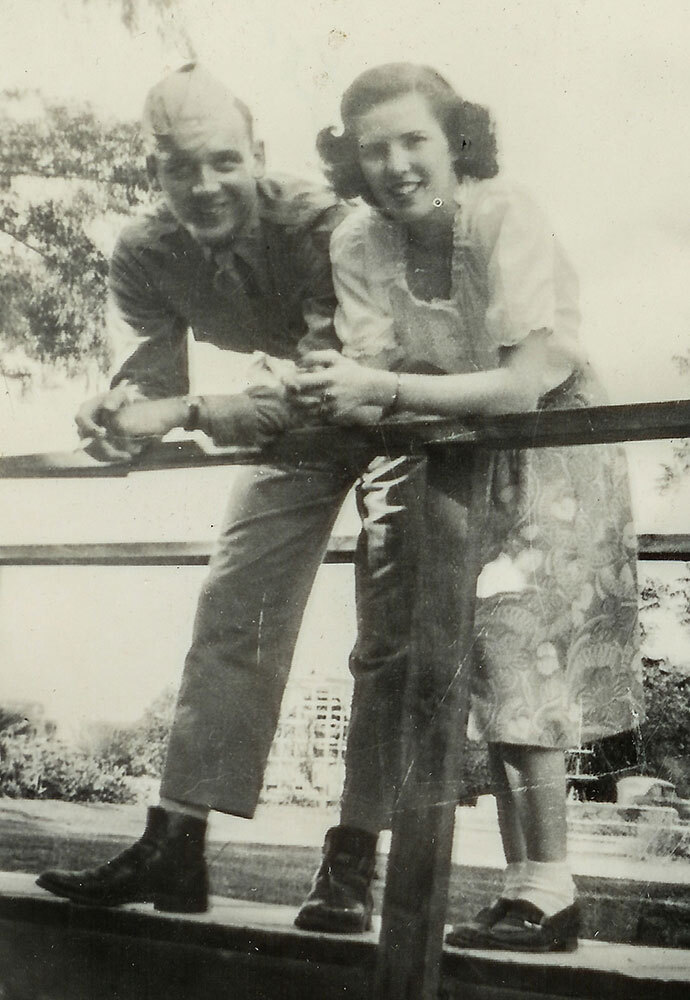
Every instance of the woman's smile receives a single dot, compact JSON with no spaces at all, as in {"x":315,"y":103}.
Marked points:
{"x":403,"y":189}
{"x":406,"y":159}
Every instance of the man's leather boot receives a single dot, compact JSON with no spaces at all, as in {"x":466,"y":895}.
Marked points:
{"x":340,"y":900}
{"x":165,"y":867}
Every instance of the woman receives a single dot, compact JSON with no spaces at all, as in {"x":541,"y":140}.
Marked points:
{"x":455,"y":298}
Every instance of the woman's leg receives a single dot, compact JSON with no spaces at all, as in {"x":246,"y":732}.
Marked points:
{"x":537,"y":778}
{"x":505,"y":786}
{"x":509,"y":806}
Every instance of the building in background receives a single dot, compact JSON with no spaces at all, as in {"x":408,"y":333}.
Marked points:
{"x":306,"y":765}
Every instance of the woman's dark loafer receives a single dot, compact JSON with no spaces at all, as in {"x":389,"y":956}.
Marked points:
{"x":524,"y":927}
{"x":473,"y":933}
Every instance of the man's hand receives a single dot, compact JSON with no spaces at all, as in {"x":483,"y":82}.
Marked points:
{"x":94,"y":419}
{"x":148,"y":418}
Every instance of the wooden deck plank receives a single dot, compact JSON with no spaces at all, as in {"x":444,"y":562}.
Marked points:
{"x":243,"y":949}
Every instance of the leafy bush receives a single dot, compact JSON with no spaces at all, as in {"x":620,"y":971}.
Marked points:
{"x":666,"y":730}
{"x":139,"y":750}
{"x":34,"y":765}
{"x":475,"y":773}
{"x":661,"y":745}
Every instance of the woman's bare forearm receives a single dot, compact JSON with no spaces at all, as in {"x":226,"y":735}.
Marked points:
{"x":500,"y":390}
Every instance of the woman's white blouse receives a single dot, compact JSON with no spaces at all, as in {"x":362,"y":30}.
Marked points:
{"x":509,"y":277}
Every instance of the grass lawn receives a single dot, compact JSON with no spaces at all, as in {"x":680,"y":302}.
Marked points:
{"x":279,"y":874}
{"x":271,"y":873}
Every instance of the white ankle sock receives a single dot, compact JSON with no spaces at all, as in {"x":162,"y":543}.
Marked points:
{"x":547,"y":884}
{"x":186,"y":808}
{"x":512,"y":880}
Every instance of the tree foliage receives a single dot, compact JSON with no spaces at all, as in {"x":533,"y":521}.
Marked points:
{"x":53,"y":279}
{"x":672,"y":597}
{"x":53,"y":274}
{"x":679,"y":466}
{"x":131,"y":10}
{"x":134,"y":13}
{"x":660,"y":746}
{"x":666,"y":730}
{"x":53,"y":302}
{"x":71,"y":142}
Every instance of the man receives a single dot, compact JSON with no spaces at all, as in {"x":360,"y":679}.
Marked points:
{"x":242,"y":260}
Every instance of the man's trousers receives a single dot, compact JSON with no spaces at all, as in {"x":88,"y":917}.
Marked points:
{"x":276,"y":531}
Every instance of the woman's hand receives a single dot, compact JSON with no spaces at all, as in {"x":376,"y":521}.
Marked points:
{"x":338,"y":389}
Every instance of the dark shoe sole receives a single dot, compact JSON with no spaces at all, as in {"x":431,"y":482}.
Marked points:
{"x":526,"y":929}
{"x":475,"y":933}
{"x":332,"y":922}
{"x":172,"y":904}
{"x":162,"y":903}
{"x":45,"y":883}
{"x":468,"y":937}
{"x":83,"y":899}
{"x":536,"y":947}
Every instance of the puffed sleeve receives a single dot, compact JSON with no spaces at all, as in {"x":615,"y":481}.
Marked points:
{"x":362,"y":266}
{"x":318,"y":301}
{"x":532,"y":285}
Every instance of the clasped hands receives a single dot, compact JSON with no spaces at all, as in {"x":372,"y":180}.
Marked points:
{"x":335,"y":389}
{"x":325,"y":387}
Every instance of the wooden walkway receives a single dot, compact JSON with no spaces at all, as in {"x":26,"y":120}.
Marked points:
{"x":53,"y":950}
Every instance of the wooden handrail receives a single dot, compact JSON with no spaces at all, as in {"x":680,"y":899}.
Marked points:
{"x":537,"y":429}
{"x":341,"y":548}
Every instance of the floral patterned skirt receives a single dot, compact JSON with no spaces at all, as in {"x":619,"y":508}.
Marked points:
{"x":557,"y":633}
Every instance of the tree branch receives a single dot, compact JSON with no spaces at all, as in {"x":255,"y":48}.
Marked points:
{"x":28,"y":246}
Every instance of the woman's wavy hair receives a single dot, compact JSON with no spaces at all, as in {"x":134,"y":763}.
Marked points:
{"x":468,"y":127}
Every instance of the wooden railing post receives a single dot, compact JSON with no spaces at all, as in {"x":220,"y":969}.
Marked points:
{"x":414,"y":905}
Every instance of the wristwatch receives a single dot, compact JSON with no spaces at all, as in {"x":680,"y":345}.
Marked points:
{"x":191,"y":422}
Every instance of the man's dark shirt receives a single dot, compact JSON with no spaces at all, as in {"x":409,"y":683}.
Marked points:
{"x":270,"y":291}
